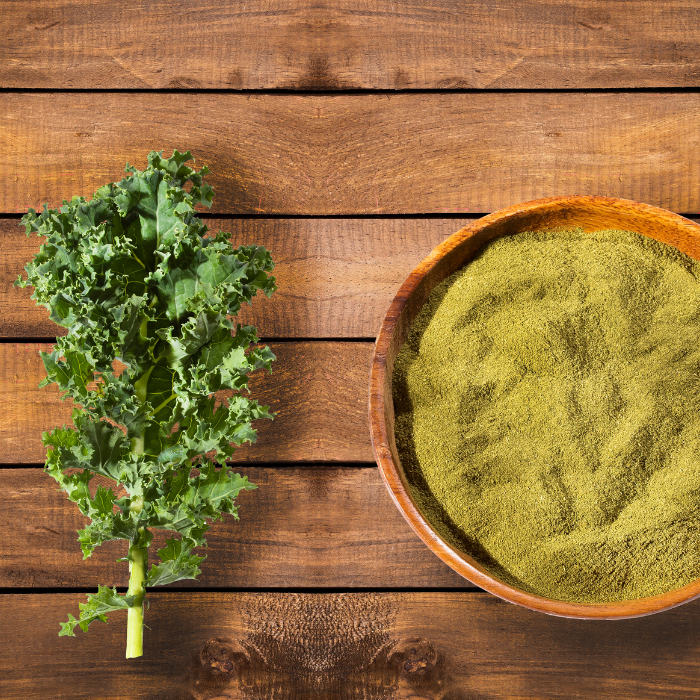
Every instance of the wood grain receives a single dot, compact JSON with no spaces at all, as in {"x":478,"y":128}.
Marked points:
{"x":358,"y":44}
{"x":376,"y":646}
{"x":319,"y":391}
{"x":317,"y":154}
{"x":302,"y":527}
{"x":362,"y":154}
{"x":336,"y":277}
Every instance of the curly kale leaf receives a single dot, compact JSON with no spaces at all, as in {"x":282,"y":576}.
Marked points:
{"x":148,"y":299}
{"x":98,"y":605}
{"x":178,"y":563}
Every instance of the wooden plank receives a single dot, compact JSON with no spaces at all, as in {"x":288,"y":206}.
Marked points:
{"x":336,"y":277}
{"x":319,"y":391}
{"x":320,"y":46}
{"x":342,"y":530}
{"x":361,"y":154}
{"x":345,"y":646}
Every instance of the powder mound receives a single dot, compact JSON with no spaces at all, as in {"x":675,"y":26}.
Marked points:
{"x":547,"y":407}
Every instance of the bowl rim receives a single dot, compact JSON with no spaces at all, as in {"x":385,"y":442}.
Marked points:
{"x":393,"y":476}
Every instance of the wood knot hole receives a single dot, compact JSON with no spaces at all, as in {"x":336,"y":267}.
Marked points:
{"x":414,"y":657}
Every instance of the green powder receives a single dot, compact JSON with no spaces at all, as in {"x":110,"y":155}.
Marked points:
{"x":548,"y":413}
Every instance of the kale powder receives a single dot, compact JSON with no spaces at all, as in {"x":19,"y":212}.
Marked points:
{"x":547,"y":407}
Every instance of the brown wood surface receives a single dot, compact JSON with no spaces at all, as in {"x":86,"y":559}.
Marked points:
{"x":516,"y":114}
{"x":375,"y":646}
{"x":303,"y":45}
{"x":318,"y":391}
{"x":336,"y":277}
{"x":302,"y":527}
{"x":361,"y":154}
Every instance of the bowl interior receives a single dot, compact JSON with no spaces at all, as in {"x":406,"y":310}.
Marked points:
{"x":589,"y":213}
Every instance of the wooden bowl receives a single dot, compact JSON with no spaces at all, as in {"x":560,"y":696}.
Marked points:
{"x":588,"y":212}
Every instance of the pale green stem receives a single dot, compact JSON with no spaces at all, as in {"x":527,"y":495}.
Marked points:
{"x":137,"y":445}
{"x":138,"y":563}
{"x":138,"y":559}
{"x":141,"y":388}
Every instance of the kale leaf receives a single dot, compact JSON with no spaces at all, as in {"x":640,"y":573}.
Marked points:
{"x":147,"y":298}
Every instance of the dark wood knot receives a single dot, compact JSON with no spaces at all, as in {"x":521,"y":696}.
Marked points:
{"x":414,"y":657}
{"x":223,"y":657}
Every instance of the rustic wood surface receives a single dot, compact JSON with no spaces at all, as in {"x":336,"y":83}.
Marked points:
{"x":322,"y":591}
{"x":375,"y":646}
{"x":336,"y":277}
{"x":302,"y":527}
{"x":354,"y":44}
{"x":361,"y":154}
{"x":318,"y":390}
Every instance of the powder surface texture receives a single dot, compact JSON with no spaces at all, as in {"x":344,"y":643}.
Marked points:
{"x":547,"y":407}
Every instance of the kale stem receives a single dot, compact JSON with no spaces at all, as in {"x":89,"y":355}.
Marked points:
{"x":141,"y":390}
{"x":138,"y":562}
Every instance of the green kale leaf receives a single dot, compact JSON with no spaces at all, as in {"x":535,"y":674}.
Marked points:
{"x":148,"y":299}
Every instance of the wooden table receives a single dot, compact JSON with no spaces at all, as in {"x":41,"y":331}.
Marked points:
{"x":350,"y":138}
